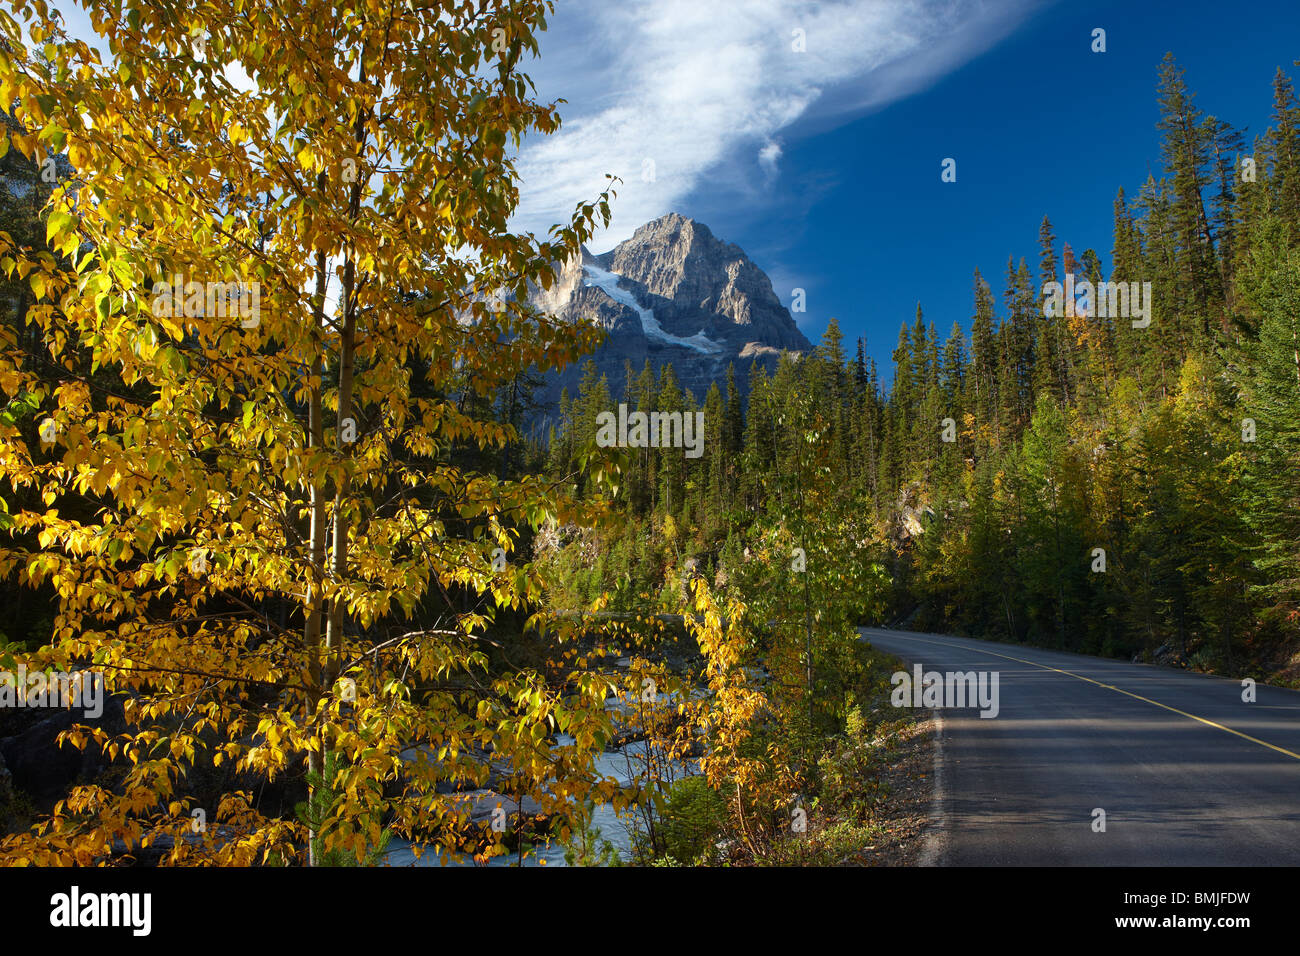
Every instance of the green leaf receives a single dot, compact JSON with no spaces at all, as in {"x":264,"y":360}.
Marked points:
{"x":57,"y":224}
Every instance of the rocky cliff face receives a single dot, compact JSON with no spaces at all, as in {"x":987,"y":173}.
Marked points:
{"x":673,"y":293}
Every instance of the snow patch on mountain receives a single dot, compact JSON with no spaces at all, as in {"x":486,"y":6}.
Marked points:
{"x":607,"y":282}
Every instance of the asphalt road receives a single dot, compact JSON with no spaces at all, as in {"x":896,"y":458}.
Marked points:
{"x":1188,"y":774}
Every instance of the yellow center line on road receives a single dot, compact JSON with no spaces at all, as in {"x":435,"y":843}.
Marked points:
{"x":1148,"y":700}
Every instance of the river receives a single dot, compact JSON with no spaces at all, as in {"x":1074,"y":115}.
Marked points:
{"x":617,"y":828}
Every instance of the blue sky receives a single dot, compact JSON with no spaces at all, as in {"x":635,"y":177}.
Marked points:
{"x":824,"y":165}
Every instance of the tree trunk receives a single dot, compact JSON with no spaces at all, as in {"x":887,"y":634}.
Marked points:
{"x":313,"y":605}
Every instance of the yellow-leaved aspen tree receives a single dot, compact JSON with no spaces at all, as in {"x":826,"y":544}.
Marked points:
{"x":263,"y":302}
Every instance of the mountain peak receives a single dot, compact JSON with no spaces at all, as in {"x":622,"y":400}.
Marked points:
{"x":676,"y":227}
{"x":672,"y":220}
{"x":675,"y":293}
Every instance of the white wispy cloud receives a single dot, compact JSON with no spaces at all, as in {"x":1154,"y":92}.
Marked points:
{"x":769,"y":156}
{"x":675,"y":96}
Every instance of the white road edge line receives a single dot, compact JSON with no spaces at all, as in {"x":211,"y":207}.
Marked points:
{"x":936,"y":836}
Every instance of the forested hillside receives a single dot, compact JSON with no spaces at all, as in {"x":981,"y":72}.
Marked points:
{"x":1094,"y":482}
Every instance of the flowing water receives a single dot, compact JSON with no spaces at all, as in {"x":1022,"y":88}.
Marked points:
{"x":622,"y":764}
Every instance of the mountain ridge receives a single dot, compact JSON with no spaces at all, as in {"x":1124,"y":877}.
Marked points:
{"x":673,"y":293}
